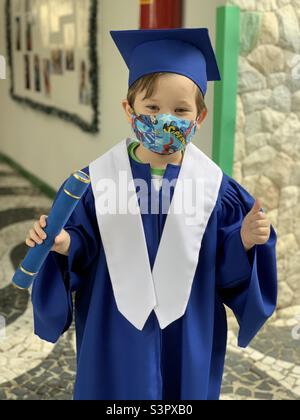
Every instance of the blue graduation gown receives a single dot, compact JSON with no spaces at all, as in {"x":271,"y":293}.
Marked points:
{"x":185,"y":360}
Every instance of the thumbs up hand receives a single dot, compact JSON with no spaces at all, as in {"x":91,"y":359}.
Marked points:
{"x":256,"y":228}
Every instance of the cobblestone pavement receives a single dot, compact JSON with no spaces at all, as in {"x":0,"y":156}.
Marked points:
{"x":34,"y":369}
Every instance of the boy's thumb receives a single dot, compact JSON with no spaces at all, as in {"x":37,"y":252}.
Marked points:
{"x":256,"y":206}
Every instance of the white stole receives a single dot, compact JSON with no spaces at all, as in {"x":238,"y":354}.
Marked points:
{"x":166,"y":288}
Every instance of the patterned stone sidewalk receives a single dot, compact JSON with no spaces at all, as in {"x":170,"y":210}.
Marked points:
{"x":33,"y":369}
{"x":267,"y":370}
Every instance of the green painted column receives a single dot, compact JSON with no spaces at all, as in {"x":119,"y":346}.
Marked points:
{"x":225,"y":91}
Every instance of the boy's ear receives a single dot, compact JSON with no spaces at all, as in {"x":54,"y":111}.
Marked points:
{"x":128,"y":110}
{"x":202,"y":117}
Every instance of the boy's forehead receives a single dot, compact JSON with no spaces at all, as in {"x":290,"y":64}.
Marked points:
{"x":178,"y":81}
{"x":179,"y":99}
{"x":175,"y":84}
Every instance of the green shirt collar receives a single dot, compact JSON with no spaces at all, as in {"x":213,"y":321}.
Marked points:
{"x":131,"y":150}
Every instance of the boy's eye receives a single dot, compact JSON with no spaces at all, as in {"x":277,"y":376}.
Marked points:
{"x":178,"y":110}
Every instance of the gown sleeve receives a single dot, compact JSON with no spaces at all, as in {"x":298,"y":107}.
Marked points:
{"x":246,"y":281}
{"x":61,"y":275}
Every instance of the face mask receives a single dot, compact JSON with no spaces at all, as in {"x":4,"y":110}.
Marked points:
{"x":164,"y":133}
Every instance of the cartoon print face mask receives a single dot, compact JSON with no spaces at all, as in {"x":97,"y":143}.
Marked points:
{"x":164,"y":133}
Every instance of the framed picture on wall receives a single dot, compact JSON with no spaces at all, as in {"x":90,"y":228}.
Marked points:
{"x":52,"y":55}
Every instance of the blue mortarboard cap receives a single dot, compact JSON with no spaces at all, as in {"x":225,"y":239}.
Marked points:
{"x":183,"y":51}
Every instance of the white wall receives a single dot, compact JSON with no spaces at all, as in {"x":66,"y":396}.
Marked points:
{"x":50,"y":148}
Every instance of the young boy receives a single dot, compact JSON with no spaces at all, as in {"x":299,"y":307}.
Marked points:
{"x":151,"y":284}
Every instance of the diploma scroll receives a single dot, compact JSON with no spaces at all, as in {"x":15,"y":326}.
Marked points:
{"x":60,"y":213}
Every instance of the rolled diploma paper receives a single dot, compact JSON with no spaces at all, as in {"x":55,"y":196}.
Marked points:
{"x":73,"y":190}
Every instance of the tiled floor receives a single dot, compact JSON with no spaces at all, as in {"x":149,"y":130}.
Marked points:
{"x":33,"y":369}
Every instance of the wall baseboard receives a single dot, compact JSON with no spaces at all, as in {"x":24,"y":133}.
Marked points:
{"x":34,"y":180}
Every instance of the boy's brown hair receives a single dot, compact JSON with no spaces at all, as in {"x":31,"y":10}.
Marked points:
{"x":148,"y":83}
